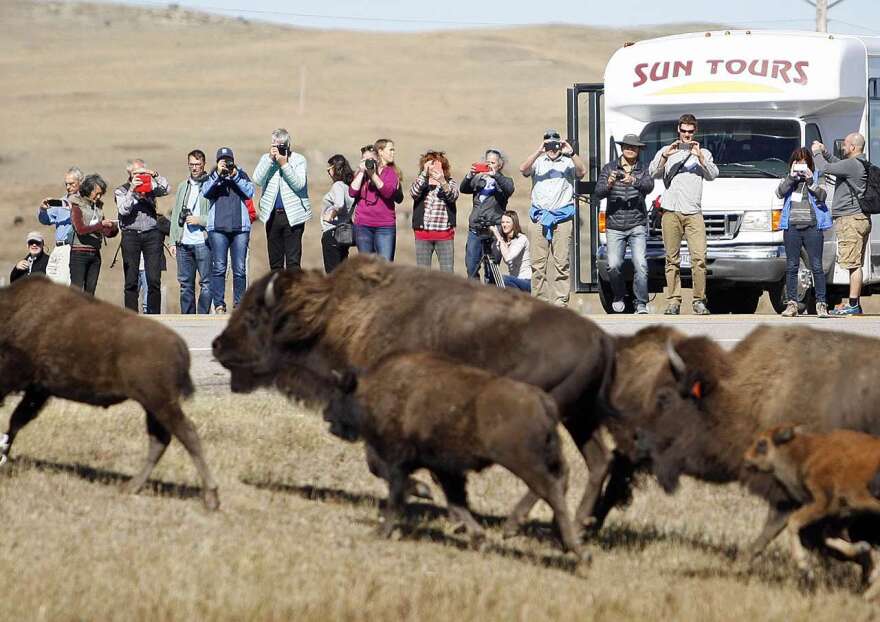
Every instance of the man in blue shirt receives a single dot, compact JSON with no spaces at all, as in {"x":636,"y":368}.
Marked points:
{"x":57,"y":212}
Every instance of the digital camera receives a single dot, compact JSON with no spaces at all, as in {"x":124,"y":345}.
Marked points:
{"x":370,"y":164}
{"x":552,"y":145}
{"x":282,"y":150}
{"x":184,"y":214}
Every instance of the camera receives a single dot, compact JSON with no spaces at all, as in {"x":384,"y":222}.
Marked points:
{"x":282,"y":150}
{"x":230,"y":167}
{"x":184,"y":214}
{"x":552,"y":145}
{"x":483,"y":223}
{"x":370,"y":164}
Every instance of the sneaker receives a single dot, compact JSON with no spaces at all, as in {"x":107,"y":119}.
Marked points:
{"x":672,"y":309}
{"x":641,"y":308}
{"x":220,"y":310}
{"x":791,"y":309}
{"x":822,"y":309}
{"x":618,"y":306}
{"x":846,"y":309}
{"x":700,"y":308}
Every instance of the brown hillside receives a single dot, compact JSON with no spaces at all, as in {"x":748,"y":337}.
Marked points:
{"x":94,"y":85}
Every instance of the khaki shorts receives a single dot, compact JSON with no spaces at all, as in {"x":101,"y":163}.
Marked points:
{"x":852,"y":237}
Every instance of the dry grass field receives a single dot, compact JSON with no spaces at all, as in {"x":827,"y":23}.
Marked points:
{"x":294,"y":539}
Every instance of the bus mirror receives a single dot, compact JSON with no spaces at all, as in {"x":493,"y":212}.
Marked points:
{"x":838,"y":148}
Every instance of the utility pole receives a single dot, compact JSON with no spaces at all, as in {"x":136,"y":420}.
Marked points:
{"x":822,"y":7}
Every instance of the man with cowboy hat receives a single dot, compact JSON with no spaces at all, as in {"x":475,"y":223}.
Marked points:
{"x":624,"y":182}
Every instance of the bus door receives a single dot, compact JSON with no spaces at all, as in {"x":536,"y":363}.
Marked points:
{"x":584,"y":106}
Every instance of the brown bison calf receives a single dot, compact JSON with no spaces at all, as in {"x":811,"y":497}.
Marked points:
{"x":55,"y":341}
{"x":832,"y":476}
{"x":424,"y":411}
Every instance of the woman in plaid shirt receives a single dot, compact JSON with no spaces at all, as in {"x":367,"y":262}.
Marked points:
{"x":434,"y":193}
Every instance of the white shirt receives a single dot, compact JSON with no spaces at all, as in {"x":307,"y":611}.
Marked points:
{"x":193,"y":234}
{"x":552,"y":182}
{"x":337,"y":198}
{"x":520,"y":264}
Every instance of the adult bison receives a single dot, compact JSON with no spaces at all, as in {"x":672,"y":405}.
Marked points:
{"x":368,"y":308}
{"x":55,"y":341}
{"x":698,"y":407}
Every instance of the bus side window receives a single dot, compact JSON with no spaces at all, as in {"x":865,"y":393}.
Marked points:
{"x":811,"y":133}
{"x":874,"y":120}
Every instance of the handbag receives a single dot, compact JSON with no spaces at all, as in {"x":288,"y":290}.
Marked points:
{"x":343,"y":234}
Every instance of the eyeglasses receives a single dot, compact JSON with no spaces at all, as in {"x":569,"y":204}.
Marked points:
{"x":196,"y":163}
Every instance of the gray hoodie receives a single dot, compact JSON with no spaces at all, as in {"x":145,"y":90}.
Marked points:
{"x":849,"y":175}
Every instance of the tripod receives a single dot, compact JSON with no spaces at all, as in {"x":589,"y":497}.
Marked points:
{"x":490,"y":268}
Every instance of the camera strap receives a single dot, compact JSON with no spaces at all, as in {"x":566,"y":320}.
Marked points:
{"x":676,"y":169}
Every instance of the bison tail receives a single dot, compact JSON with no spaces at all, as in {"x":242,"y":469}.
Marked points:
{"x":185,"y":384}
{"x":874,"y":485}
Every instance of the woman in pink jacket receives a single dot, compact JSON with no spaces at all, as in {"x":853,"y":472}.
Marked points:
{"x":374,"y":187}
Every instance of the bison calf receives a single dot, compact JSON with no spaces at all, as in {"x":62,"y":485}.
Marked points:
{"x":55,"y":341}
{"x":422,"y":411}
{"x":832,"y":476}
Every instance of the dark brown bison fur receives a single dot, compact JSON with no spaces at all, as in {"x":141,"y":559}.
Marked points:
{"x":55,"y":341}
{"x":709,"y":406}
{"x":831,"y":476}
{"x":424,"y":411}
{"x":368,"y":308}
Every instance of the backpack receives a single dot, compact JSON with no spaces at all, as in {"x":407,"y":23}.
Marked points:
{"x":870,"y":199}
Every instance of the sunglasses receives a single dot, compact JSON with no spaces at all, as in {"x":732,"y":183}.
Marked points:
{"x":681,"y":131}
{"x":551,"y":136}
{"x":34,"y":243}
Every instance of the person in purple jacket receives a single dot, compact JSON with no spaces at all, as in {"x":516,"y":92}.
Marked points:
{"x":374,"y":187}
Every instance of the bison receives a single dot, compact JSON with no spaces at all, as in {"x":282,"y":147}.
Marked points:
{"x":830,"y":476}
{"x":696,"y":408}
{"x":420,"y":410}
{"x":55,"y":341}
{"x":368,"y":308}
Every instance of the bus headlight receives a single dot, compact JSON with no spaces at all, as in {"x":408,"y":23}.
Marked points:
{"x":760,"y":220}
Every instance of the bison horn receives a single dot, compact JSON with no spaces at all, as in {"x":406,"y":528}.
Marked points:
{"x":678,"y":365}
{"x":269,"y":296}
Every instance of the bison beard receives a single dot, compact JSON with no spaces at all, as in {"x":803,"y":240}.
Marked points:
{"x":368,"y":308}
{"x":95,"y":354}
{"x":819,"y":379}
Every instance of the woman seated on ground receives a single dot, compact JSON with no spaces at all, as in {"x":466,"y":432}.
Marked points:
{"x":336,"y":208}
{"x":514,"y":247}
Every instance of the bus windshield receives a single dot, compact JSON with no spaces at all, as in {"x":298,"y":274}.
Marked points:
{"x":740,"y":147}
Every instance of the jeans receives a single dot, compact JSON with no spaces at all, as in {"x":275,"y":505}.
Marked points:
{"x":84,"y":270}
{"x":192,"y":258}
{"x":223,"y":244}
{"x":148,"y":243}
{"x":142,"y":288}
{"x":473,"y":250}
{"x":379,"y":240}
{"x":524,"y":285}
{"x":813,"y":240}
{"x":284,"y":242}
{"x":637,"y":237}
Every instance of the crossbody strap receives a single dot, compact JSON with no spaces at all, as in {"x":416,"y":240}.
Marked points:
{"x":676,"y":169}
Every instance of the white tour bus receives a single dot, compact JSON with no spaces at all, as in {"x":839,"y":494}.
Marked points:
{"x":757,"y":96}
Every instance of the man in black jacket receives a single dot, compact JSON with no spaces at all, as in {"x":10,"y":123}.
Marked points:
{"x":624,"y":183}
{"x":36,"y":260}
{"x":491,"y":190}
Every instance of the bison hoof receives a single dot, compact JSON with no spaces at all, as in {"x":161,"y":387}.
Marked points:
{"x":212,"y":499}
{"x":4,"y":448}
{"x":420,"y":490}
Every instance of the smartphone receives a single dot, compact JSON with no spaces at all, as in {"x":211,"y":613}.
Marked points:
{"x":55,"y":203}
{"x":685,"y":146}
{"x":481,"y":167}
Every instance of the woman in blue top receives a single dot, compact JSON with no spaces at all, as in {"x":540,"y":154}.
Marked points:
{"x":804,"y":218}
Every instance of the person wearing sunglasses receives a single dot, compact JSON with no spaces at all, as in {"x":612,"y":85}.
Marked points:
{"x":553,"y":167}
{"x":684,"y":166}
{"x":35,"y":261}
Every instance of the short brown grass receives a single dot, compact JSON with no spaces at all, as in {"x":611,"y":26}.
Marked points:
{"x":294,"y":538}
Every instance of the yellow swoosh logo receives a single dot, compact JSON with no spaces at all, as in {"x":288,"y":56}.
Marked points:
{"x":718,"y":87}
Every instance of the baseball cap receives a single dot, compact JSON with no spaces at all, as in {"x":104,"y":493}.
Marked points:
{"x":35,"y":236}
{"x":224,"y":153}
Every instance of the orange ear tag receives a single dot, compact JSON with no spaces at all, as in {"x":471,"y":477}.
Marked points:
{"x":697,"y":389}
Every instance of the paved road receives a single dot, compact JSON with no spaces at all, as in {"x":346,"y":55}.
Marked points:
{"x":208,"y":375}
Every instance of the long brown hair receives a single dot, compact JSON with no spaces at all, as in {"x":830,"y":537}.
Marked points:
{"x":801,"y":153}
{"x":517,"y":230}
{"x":379,"y":145}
